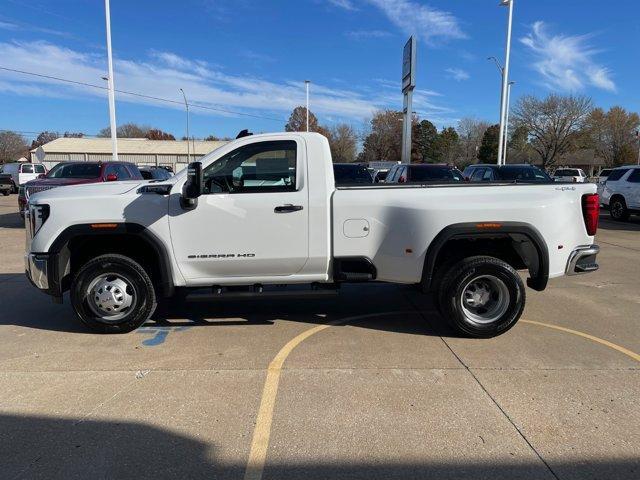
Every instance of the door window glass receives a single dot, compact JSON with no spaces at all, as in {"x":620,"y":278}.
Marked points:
{"x":477,"y":175}
{"x":27,"y":168}
{"x":635,"y":176}
{"x":257,"y":167}
{"x":617,"y":174}
{"x":39,"y":168}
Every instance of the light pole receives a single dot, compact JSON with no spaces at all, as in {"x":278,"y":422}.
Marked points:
{"x":505,"y":76}
{"x":306,"y":83}
{"x":501,"y":69}
{"x":506,"y":123}
{"x":112,"y":98}
{"x":186,"y":105}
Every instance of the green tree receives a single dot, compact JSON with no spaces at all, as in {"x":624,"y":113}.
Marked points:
{"x":488,"y":152}
{"x":127,"y":130}
{"x":425,"y":137}
{"x":447,"y":146}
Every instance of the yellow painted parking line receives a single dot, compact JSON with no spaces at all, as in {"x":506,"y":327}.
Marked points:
{"x":262,"y":430}
{"x":593,"y":338}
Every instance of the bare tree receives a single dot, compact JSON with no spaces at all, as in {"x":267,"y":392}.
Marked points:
{"x":157,"y":134}
{"x":128,"y":130}
{"x":298,"y":121}
{"x":343,"y":142}
{"x":44,"y":137}
{"x":384,"y":140}
{"x":554,"y":124}
{"x":470,"y":132}
{"x":612,"y":134}
{"x":12,"y":146}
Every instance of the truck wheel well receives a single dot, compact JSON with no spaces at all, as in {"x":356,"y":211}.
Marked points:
{"x":78,"y":244}
{"x":617,"y":196}
{"x":521,"y":246}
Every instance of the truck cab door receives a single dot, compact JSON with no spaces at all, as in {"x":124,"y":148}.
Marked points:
{"x":252,"y":219}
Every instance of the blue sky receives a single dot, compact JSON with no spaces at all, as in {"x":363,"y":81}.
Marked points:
{"x":253,"y":56}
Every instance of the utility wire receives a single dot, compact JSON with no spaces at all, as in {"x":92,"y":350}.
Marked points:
{"x":141,"y":95}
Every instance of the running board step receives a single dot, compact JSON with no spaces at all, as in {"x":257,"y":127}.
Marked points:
{"x":354,"y":277}
{"x":221,"y":294}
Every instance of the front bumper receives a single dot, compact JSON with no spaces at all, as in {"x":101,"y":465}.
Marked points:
{"x":583,"y":260}
{"x":36,"y":269}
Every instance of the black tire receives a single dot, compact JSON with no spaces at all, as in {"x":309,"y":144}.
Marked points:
{"x":107,"y":270}
{"x":481,"y":279}
{"x":618,"y":209}
{"x":6,"y":193}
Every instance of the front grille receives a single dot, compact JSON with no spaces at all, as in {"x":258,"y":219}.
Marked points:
{"x":30,"y":190}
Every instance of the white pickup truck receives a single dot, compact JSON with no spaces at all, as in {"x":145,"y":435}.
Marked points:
{"x":262,"y":213}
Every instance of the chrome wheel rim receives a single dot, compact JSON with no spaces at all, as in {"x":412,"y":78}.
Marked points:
{"x":111,"y":297}
{"x":485,"y":299}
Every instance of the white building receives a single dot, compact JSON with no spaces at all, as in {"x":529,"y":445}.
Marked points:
{"x":135,"y":150}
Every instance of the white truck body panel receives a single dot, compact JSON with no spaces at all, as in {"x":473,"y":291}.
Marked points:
{"x":391,"y":225}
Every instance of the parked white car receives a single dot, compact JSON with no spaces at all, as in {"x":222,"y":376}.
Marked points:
{"x":576,"y":175}
{"x":22,"y":172}
{"x":263,"y":213}
{"x":621,"y":192}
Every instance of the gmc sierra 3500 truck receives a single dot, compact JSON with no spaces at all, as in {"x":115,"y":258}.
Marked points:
{"x":263,"y":211}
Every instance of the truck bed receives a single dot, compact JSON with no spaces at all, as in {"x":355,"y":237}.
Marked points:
{"x":392,"y":225}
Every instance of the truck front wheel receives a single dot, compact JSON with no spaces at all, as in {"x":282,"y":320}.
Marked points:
{"x":113,"y":294}
{"x":481,"y":296}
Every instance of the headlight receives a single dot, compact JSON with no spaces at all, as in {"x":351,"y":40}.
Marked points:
{"x":38,"y":214}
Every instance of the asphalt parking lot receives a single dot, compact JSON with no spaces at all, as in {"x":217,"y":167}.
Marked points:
{"x":368,"y":385}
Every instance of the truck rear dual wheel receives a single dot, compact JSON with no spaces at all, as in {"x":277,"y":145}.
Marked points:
{"x":113,"y":294}
{"x":481,"y":296}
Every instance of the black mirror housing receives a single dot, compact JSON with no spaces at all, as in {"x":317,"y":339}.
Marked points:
{"x":192,"y":188}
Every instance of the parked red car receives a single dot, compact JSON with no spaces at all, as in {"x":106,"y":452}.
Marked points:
{"x":75,"y":173}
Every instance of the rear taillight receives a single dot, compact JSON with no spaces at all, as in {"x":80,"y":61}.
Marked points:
{"x":591,"y":212}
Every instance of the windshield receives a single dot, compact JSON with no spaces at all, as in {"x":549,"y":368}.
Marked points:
{"x":434,"y":172}
{"x":527,"y":174}
{"x":346,"y":174}
{"x":75,"y":170}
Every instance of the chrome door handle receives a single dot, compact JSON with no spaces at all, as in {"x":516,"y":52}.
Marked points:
{"x":287,"y":208}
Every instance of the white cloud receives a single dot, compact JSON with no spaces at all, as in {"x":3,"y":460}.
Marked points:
{"x":566,"y":62}
{"x":162,"y":74}
{"x":457,"y":74}
{"x":415,"y":18}
{"x":364,"y":34}
{"x":344,"y":4}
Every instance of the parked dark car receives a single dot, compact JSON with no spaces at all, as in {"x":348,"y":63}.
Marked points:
{"x":154,"y":173}
{"x":351,"y":174}
{"x":6,"y":184}
{"x":76,"y":173}
{"x":521,"y":173}
{"x":423,"y":172}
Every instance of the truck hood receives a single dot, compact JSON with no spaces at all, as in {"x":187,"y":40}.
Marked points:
{"x":79,"y":192}
{"x":60,"y":182}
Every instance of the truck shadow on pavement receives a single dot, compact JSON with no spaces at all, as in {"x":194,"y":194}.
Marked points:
{"x":62,"y":448}
{"x":416,"y":316}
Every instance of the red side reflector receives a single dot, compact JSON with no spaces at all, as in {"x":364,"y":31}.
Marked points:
{"x":104,"y":225}
{"x":591,"y":212}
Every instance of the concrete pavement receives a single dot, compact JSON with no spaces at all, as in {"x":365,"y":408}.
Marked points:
{"x":390,"y":394}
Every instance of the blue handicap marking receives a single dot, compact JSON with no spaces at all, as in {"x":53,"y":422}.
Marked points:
{"x":160,"y":334}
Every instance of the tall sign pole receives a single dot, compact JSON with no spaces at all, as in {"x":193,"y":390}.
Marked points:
{"x":505,"y":81}
{"x":408,"y":84}
{"x":112,"y":98}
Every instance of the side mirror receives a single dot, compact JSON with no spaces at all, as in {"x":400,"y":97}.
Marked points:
{"x":192,"y":188}
{"x":42,"y":175}
{"x":112,"y":177}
